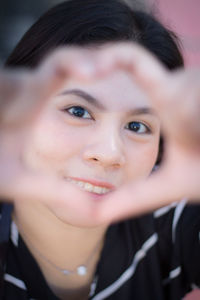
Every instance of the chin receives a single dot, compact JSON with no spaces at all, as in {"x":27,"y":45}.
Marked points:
{"x":84,"y":219}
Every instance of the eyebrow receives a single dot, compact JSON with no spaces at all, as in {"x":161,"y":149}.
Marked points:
{"x":142,"y":111}
{"x":92,"y":100}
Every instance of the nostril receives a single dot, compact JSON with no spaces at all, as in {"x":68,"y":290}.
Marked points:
{"x":95,"y":159}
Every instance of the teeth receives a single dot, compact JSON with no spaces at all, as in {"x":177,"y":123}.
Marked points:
{"x":80,"y":183}
{"x":97,"y":189}
{"x":90,"y":187}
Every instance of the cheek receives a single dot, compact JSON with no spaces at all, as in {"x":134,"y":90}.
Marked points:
{"x":50,"y":145}
{"x":142,"y":160}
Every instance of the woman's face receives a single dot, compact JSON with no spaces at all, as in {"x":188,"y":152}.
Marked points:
{"x":98,"y":135}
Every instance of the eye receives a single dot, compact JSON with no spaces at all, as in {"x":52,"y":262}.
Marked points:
{"x":78,"y":112}
{"x":138,"y":127}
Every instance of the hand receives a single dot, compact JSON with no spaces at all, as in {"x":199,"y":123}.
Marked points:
{"x":23,"y":93}
{"x":176,"y":98}
{"x":181,"y":160}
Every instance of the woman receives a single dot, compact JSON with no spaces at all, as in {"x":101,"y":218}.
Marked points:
{"x":96,"y":137}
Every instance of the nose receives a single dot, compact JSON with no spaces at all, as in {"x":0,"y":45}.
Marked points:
{"x":106,"y":150}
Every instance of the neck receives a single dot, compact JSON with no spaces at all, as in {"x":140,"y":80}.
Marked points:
{"x":40,"y":224}
{"x":66,"y":246}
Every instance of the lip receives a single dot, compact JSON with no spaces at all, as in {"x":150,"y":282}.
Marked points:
{"x":95,"y":182}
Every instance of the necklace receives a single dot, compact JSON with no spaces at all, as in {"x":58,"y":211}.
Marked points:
{"x":80,"y":270}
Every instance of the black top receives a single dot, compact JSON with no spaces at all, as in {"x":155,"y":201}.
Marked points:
{"x":154,"y":257}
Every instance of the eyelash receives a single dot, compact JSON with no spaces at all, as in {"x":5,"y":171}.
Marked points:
{"x":136,"y":123}
{"x":83,"y":110}
{"x":78,"y":116}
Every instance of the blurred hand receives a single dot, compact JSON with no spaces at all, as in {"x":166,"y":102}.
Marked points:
{"x":176,"y":98}
{"x":22,"y":95}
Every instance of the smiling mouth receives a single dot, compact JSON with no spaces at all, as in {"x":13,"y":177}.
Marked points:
{"x":90,"y":187}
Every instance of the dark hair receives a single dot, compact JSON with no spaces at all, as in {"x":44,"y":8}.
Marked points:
{"x":93,"y":22}
{"x":89,"y":22}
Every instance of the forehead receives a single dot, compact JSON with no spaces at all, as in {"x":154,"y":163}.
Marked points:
{"x":117,"y":91}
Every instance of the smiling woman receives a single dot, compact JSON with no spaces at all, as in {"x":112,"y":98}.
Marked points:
{"x":97,"y":137}
{"x":104,"y":134}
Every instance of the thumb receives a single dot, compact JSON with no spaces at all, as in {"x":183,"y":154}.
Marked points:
{"x":139,"y":198}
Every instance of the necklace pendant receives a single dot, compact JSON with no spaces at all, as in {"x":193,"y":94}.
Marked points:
{"x":65,"y":272}
{"x":81,"y":270}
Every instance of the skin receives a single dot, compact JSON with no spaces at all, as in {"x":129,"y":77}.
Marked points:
{"x":165,"y":91}
{"x":181,"y":159}
{"x":97,"y":146}
{"x":175,"y":94}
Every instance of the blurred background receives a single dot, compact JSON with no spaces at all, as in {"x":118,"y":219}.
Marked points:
{"x":181,"y":16}
{"x":15,"y":18}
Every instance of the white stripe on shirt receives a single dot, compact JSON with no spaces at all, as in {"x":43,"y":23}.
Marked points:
{"x":163,"y":210}
{"x":173,"y":274}
{"x":14,"y":233}
{"x":17,"y":282}
{"x":140,"y":254}
{"x":177,"y":214}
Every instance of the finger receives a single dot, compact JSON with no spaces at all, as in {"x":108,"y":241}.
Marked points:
{"x":63,"y":197}
{"x":145,"y":68}
{"x":72,"y":61}
{"x":31,"y":92}
{"x":175,"y":96}
{"x":140,"y":198}
{"x":11,"y":85}
{"x":24,"y":92}
{"x":182,"y":108}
